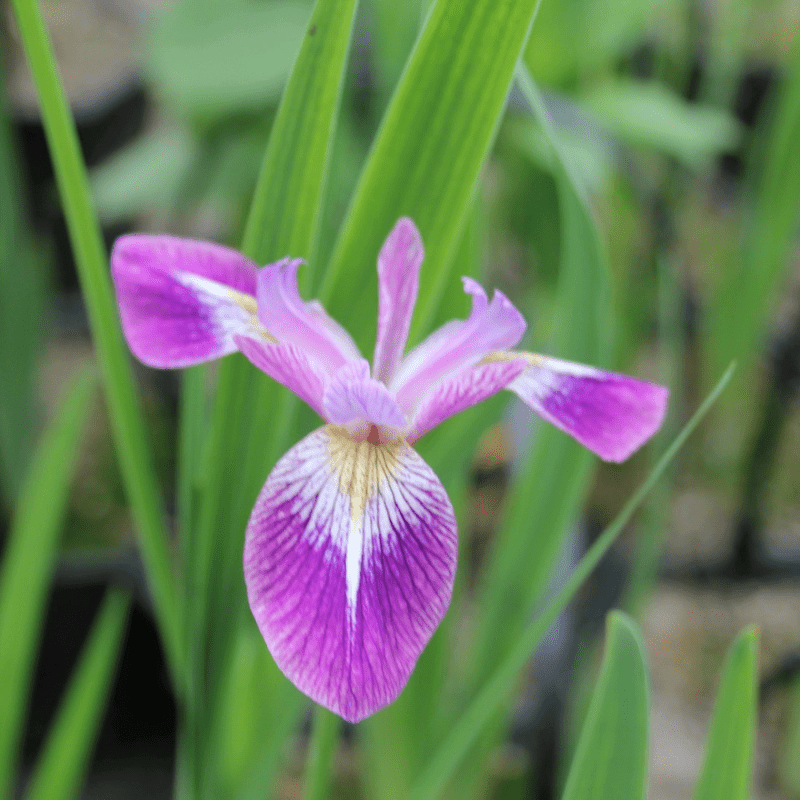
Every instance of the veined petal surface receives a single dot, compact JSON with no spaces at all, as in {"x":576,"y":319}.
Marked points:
{"x":182,"y":301}
{"x":291,"y":319}
{"x":398,"y":283}
{"x":611,"y":414}
{"x":463,"y":390}
{"x":290,"y":366}
{"x":491,"y":326}
{"x":349,"y":562}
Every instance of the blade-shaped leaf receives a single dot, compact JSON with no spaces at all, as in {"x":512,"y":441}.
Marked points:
{"x":611,"y":757}
{"x":61,"y":766}
{"x":727,"y":771}
{"x":555,"y":472}
{"x":28,"y":563}
{"x":127,"y":419}
{"x":749,"y":286}
{"x":22,"y":318}
{"x":429,"y":153}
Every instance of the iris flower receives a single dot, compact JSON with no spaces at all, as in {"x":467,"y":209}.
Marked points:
{"x":350,"y":551}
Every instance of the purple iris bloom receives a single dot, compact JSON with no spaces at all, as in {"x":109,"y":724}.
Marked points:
{"x":350,"y":551}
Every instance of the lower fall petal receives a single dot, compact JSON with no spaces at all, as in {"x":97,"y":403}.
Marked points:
{"x":349,"y":562}
{"x":611,"y":414}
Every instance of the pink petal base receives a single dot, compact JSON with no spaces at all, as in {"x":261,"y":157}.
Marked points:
{"x":349,"y":563}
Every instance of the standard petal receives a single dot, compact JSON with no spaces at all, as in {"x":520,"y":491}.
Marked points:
{"x":349,"y":563}
{"x":491,"y":326}
{"x":182,"y":301}
{"x":290,"y":319}
{"x":609,"y":413}
{"x":398,"y":282}
{"x":352,"y":395}
{"x":469,"y":387}
{"x":289,"y":365}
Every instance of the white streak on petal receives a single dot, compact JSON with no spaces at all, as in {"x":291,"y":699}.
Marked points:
{"x":233,"y":312}
{"x":349,"y":564}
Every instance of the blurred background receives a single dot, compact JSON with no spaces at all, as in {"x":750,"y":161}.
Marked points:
{"x":680,"y":120}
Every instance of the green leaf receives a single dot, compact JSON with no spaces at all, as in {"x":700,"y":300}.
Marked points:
{"x":649,"y":114}
{"x":214,"y":59}
{"x":554,"y":474}
{"x":611,"y":756}
{"x":62,"y":764}
{"x":750,"y":284}
{"x":22,"y":318}
{"x":428,"y":155}
{"x":727,"y":771}
{"x":324,"y":737}
{"x":287,"y":204}
{"x":29,"y":559}
{"x":449,"y":755}
{"x":127,"y":420}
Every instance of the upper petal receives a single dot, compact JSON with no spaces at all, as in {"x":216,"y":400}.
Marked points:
{"x":495,"y":325}
{"x":352,"y":395}
{"x":609,"y":413}
{"x":182,"y":301}
{"x":463,"y":390}
{"x":290,"y":319}
{"x":398,"y":282}
{"x":349,"y":563}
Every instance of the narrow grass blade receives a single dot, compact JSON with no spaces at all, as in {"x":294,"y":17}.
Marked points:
{"x":285,"y":213}
{"x":727,"y":771}
{"x":748,"y":291}
{"x":429,"y":153}
{"x":28,"y":563}
{"x":322,"y":747}
{"x":258,"y":713}
{"x":22,"y":317}
{"x":611,"y":757}
{"x":554,"y":475}
{"x":127,"y":420}
{"x":63,"y":762}
{"x":448,"y":757}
